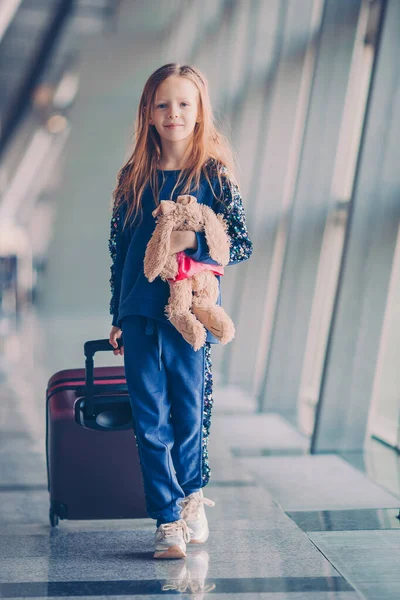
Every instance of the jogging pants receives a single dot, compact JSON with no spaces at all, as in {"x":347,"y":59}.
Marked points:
{"x":170,"y":390}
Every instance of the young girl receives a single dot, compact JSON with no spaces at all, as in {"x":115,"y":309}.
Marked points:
{"x":177,"y":151}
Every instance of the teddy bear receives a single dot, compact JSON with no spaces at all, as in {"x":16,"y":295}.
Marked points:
{"x":191,"y":306}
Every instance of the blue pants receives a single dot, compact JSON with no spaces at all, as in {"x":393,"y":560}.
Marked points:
{"x":169,"y":386}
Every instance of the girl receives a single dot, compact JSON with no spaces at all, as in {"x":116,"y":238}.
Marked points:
{"x":177,"y":151}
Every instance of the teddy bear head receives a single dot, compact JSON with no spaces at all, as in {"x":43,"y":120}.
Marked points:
{"x":186,"y":214}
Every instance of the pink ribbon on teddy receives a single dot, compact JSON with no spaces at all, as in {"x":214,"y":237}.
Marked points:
{"x":188,"y":267}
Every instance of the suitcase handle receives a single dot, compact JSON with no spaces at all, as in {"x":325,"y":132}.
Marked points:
{"x":90,"y":348}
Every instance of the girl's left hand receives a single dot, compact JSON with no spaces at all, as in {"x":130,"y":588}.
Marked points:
{"x":182,"y":240}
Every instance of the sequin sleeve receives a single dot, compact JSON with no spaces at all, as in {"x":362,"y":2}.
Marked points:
{"x":232,"y":210}
{"x":117,"y":248}
{"x":241,"y":246}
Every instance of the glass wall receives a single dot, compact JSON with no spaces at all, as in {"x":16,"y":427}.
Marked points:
{"x":384,"y":422}
{"x":357,"y":395}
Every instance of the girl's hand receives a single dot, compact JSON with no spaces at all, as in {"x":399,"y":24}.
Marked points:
{"x":182,"y":240}
{"x":115,"y":334}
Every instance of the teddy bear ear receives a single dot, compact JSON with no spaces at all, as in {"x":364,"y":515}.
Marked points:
{"x":186,"y":199}
{"x":164,"y":208}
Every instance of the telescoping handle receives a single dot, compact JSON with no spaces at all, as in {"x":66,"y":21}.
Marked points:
{"x":90,"y":348}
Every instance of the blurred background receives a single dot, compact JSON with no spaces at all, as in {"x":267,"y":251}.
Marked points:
{"x":309,"y":93}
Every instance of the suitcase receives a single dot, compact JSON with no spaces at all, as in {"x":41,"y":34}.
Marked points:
{"x":93,"y":468}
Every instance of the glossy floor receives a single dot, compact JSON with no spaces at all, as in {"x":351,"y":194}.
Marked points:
{"x":288,"y":527}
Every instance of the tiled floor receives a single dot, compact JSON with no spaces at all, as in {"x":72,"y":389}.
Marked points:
{"x":311,"y":483}
{"x":369,"y":560}
{"x":256,"y":549}
{"x":363,"y":519}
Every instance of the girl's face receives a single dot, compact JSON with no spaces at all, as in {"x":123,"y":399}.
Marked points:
{"x":175,"y":109}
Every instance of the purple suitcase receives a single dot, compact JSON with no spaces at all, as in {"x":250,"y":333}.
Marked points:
{"x":93,"y":469}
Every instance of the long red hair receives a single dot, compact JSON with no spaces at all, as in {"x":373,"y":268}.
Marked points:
{"x":208,"y":147}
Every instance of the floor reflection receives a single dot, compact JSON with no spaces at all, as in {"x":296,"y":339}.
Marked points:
{"x":189,"y":576}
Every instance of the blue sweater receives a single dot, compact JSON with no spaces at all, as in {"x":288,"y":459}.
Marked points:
{"x":131,"y":292}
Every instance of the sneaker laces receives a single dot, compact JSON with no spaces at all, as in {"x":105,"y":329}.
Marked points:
{"x":171,"y":529}
{"x":191,"y":504}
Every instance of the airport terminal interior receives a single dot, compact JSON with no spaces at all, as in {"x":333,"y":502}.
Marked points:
{"x":304,"y":440}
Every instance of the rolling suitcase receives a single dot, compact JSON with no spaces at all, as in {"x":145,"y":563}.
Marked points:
{"x":93,"y":469}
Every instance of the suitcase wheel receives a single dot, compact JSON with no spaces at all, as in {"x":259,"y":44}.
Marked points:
{"x":54,"y":520}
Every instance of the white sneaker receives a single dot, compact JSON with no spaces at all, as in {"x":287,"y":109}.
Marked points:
{"x":170,"y":540}
{"x":194,"y":515}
